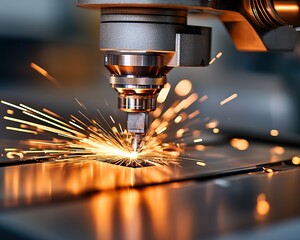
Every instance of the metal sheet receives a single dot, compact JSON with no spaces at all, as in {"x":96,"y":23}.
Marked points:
{"x":44,"y":182}
{"x":188,"y":210}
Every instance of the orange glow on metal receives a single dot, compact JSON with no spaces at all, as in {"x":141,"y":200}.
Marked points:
{"x":162,"y":96}
{"x":227,"y":100}
{"x":274,"y":133}
{"x":269,"y":170}
{"x":200,"y":148}
{"x":277,"y":150}
{"x":183,"y":88}
{"x":296,"y":160}
{"x":239,"y":144}
{"x":262,"y":205}
{"x":282,"y":6}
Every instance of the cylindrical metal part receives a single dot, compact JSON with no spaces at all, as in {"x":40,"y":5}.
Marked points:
{"x":141,"y":65}
{"x":140,"y":29}
{"x":137,"y":78}
{"x":137,"y":125}
{"x":269,"y":14}
{"x":288,"y":11}
{"x":137,"y":103}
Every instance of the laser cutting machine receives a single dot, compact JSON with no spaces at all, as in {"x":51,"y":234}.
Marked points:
{"x":144,"y":40}
{"x":237,"y":186}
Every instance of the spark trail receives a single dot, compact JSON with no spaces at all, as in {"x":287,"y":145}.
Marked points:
{"x":87,"y":139}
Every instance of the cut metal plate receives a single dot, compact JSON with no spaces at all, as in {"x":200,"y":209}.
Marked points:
{"x":43,"y":182}
{"x":243,"y":207}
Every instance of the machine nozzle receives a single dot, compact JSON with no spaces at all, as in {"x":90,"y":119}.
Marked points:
{"x":137,"y":125}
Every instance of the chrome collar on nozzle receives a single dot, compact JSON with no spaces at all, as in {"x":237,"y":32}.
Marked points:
{"x":138,"y":78}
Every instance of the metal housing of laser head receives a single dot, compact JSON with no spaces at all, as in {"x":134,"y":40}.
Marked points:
{"x":143,"y":40}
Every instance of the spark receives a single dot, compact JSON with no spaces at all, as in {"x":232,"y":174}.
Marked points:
{"x":187,"y":102}
{"x":95,"y":138}
{"x":161,"y":130}
{"x":75,"y":139}
{"x":180,"y":133}
{"x":274,"y":133}
{"x":227,"y":100}
{"x":157,"y":112}
{"x":162,"y":96}
{"x":178,"y":119}
{"x":183,"y":88}
{"x":21,"y":130}
{"x":212,"y":124}
{"x":202,"y":164}
{"x":296,"y":160}
{"x":12,"y":155}
{"x":112,"y":119}
{"x":216,"y":130}
{"x":215,"y":58}
{"x":239,"y":144}
{"x":219,"y":55}
{"x":212,"y":61}
{"x":203,"y":98}
{"x":10,"y":149}
{"x":44,"y":73}
{"x":194,"y":114}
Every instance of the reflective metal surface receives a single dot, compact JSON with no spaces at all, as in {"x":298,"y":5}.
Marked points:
{"x":189,"y":210}
{"x":42,"y":182}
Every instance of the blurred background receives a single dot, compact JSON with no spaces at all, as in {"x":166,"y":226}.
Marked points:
{"x":63,"y":40}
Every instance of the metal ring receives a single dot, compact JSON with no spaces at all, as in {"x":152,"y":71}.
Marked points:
{"x":137,"y":81}
{"x":137,"y":103}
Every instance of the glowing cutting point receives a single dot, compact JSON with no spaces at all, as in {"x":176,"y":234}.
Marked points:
{"x":134,"y":155}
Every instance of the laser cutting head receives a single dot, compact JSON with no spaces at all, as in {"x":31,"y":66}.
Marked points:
{"x":144,"y":40}
{"x":141,"y":46}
